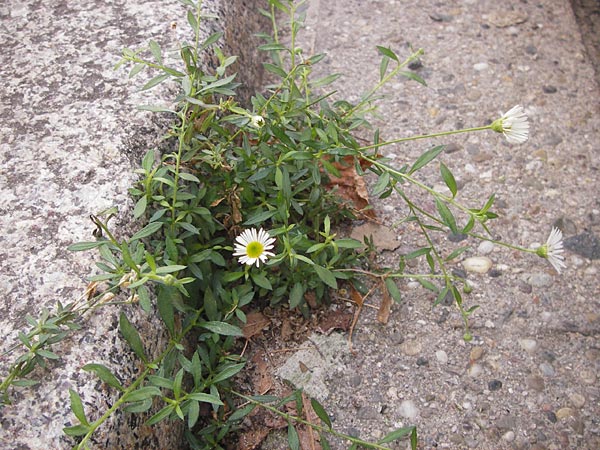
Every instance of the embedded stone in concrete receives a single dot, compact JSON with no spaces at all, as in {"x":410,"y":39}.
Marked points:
{"x":70,"y":137}
{"x":310,"y":368}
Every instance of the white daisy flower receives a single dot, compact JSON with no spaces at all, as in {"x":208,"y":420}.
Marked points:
{"x":552,"y":250}
{"x":252,"y":246}
{"x":513,"y":125}
{"x":257,"y":121}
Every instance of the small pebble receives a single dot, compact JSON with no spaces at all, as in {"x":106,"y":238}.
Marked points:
{"x":551,"y":416}
{"x":442,"y":356}
{"x":509,"y":436}
{"x":547,"y":369}
{"x":494,"y":385}
{"x":549,"y":89}
{"x":495,"y":273}
{"x":480,"y":66}
{"x":524,"y":287}
{"x":475,"y":370}
{"x":536,"y":383}
{"x":457,"y":237}
{"x":540,"y":279}
{"x":531,"y":50}
{"x":476,"y":353}
{"x":452,"y":147}
{"x":478,"y":264}
{"x":563,"y":413}
{"x":408,"y":409}
{"x":410,"y":348}
{"x":577,"y":400}
{"x":421,"y":361}
{"x":587,"y":376}
{"x":529,"y":345}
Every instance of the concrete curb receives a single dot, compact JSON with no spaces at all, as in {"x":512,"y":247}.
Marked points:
{"x":70,"y":137}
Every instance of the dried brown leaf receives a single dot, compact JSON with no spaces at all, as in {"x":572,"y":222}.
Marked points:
{"x":255,"y":323}
{"x":383,"y":315}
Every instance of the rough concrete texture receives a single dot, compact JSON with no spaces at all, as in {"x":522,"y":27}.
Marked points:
{"x":528,"y":380}
{"x":69,"y":140}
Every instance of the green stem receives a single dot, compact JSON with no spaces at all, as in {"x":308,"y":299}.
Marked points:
{"x":383,"y":81}
{"x":425,"y":136}
{"x":122,"y":399}
{"x":319,"y":428}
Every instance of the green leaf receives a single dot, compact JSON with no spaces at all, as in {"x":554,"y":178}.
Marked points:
{"x":448,"y":179}
{"x":104,"y":374}
{"x":241,"y":413}
{"x":154,"y":108}
{"x":148,"y":230}
{"x":82,"y":246}
{"x":260,"y":280}
{"x":170,"y":269}
{"x":189,"y":177}
{"x":77,"y":430}
{"x":140,"y":207}
{"x":211,"y":40}
{"x":275,"y":70}
{"x":131,"y":336}
{"x":193,"y":414}
{"x":413,"y":76}
{"x":326,"y":276}
{"x":324,"y":442}
{"x":325,"y":80}
{"x":293,"y":439}
{"x":205,"y":398}
{"x":320,"y":411}
{"x":162,"y":414}
{"x":77,"y":407}
{"x":272,"y":47}
{"x":142,"y":394}
{"x":393,"y":290}
{"x":296,"y":295}
{"x":446,"y":215}
{"x":47,"y":354}
{"x":382,"y":184}
{"x":383,"y":66}
{"x":456,"y":252}
{"x":387,"y":52}
{"x":441,"y":296}
{"x":165,"y":307}
{"x":144,"y":296}
{"x":260,"y":217}
{"x":348,"y":243}
{"x":156,"y":52}
{"x":396,"y":434}
{"x":418,"y":252}
{"x":222,"y":328}
{"x":138,"y":407}
{"x":228,"y":372}
{"x":155,"y":81}
{"x":426,"y":158}
{"x":191,"y":18}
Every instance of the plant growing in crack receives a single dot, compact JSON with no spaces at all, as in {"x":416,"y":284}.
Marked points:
{"x":243,"y":208}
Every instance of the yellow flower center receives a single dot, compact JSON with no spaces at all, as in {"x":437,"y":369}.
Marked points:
{"x":254,"y":249}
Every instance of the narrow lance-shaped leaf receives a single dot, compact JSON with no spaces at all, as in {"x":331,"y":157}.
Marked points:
{"x":426,"y":158}
{"x":131,"y":336}
{"x":77,"y":407}
{"x":165,"y":307}
{"x":448,"y":179}
{"x":446,"y":215}
{"x":293,"y":439}
{"x":393,"y":290}
{"x":104,"y":374}
{"x":320,"y":411}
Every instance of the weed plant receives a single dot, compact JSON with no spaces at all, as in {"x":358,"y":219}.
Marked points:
{"x":241,"y":211}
